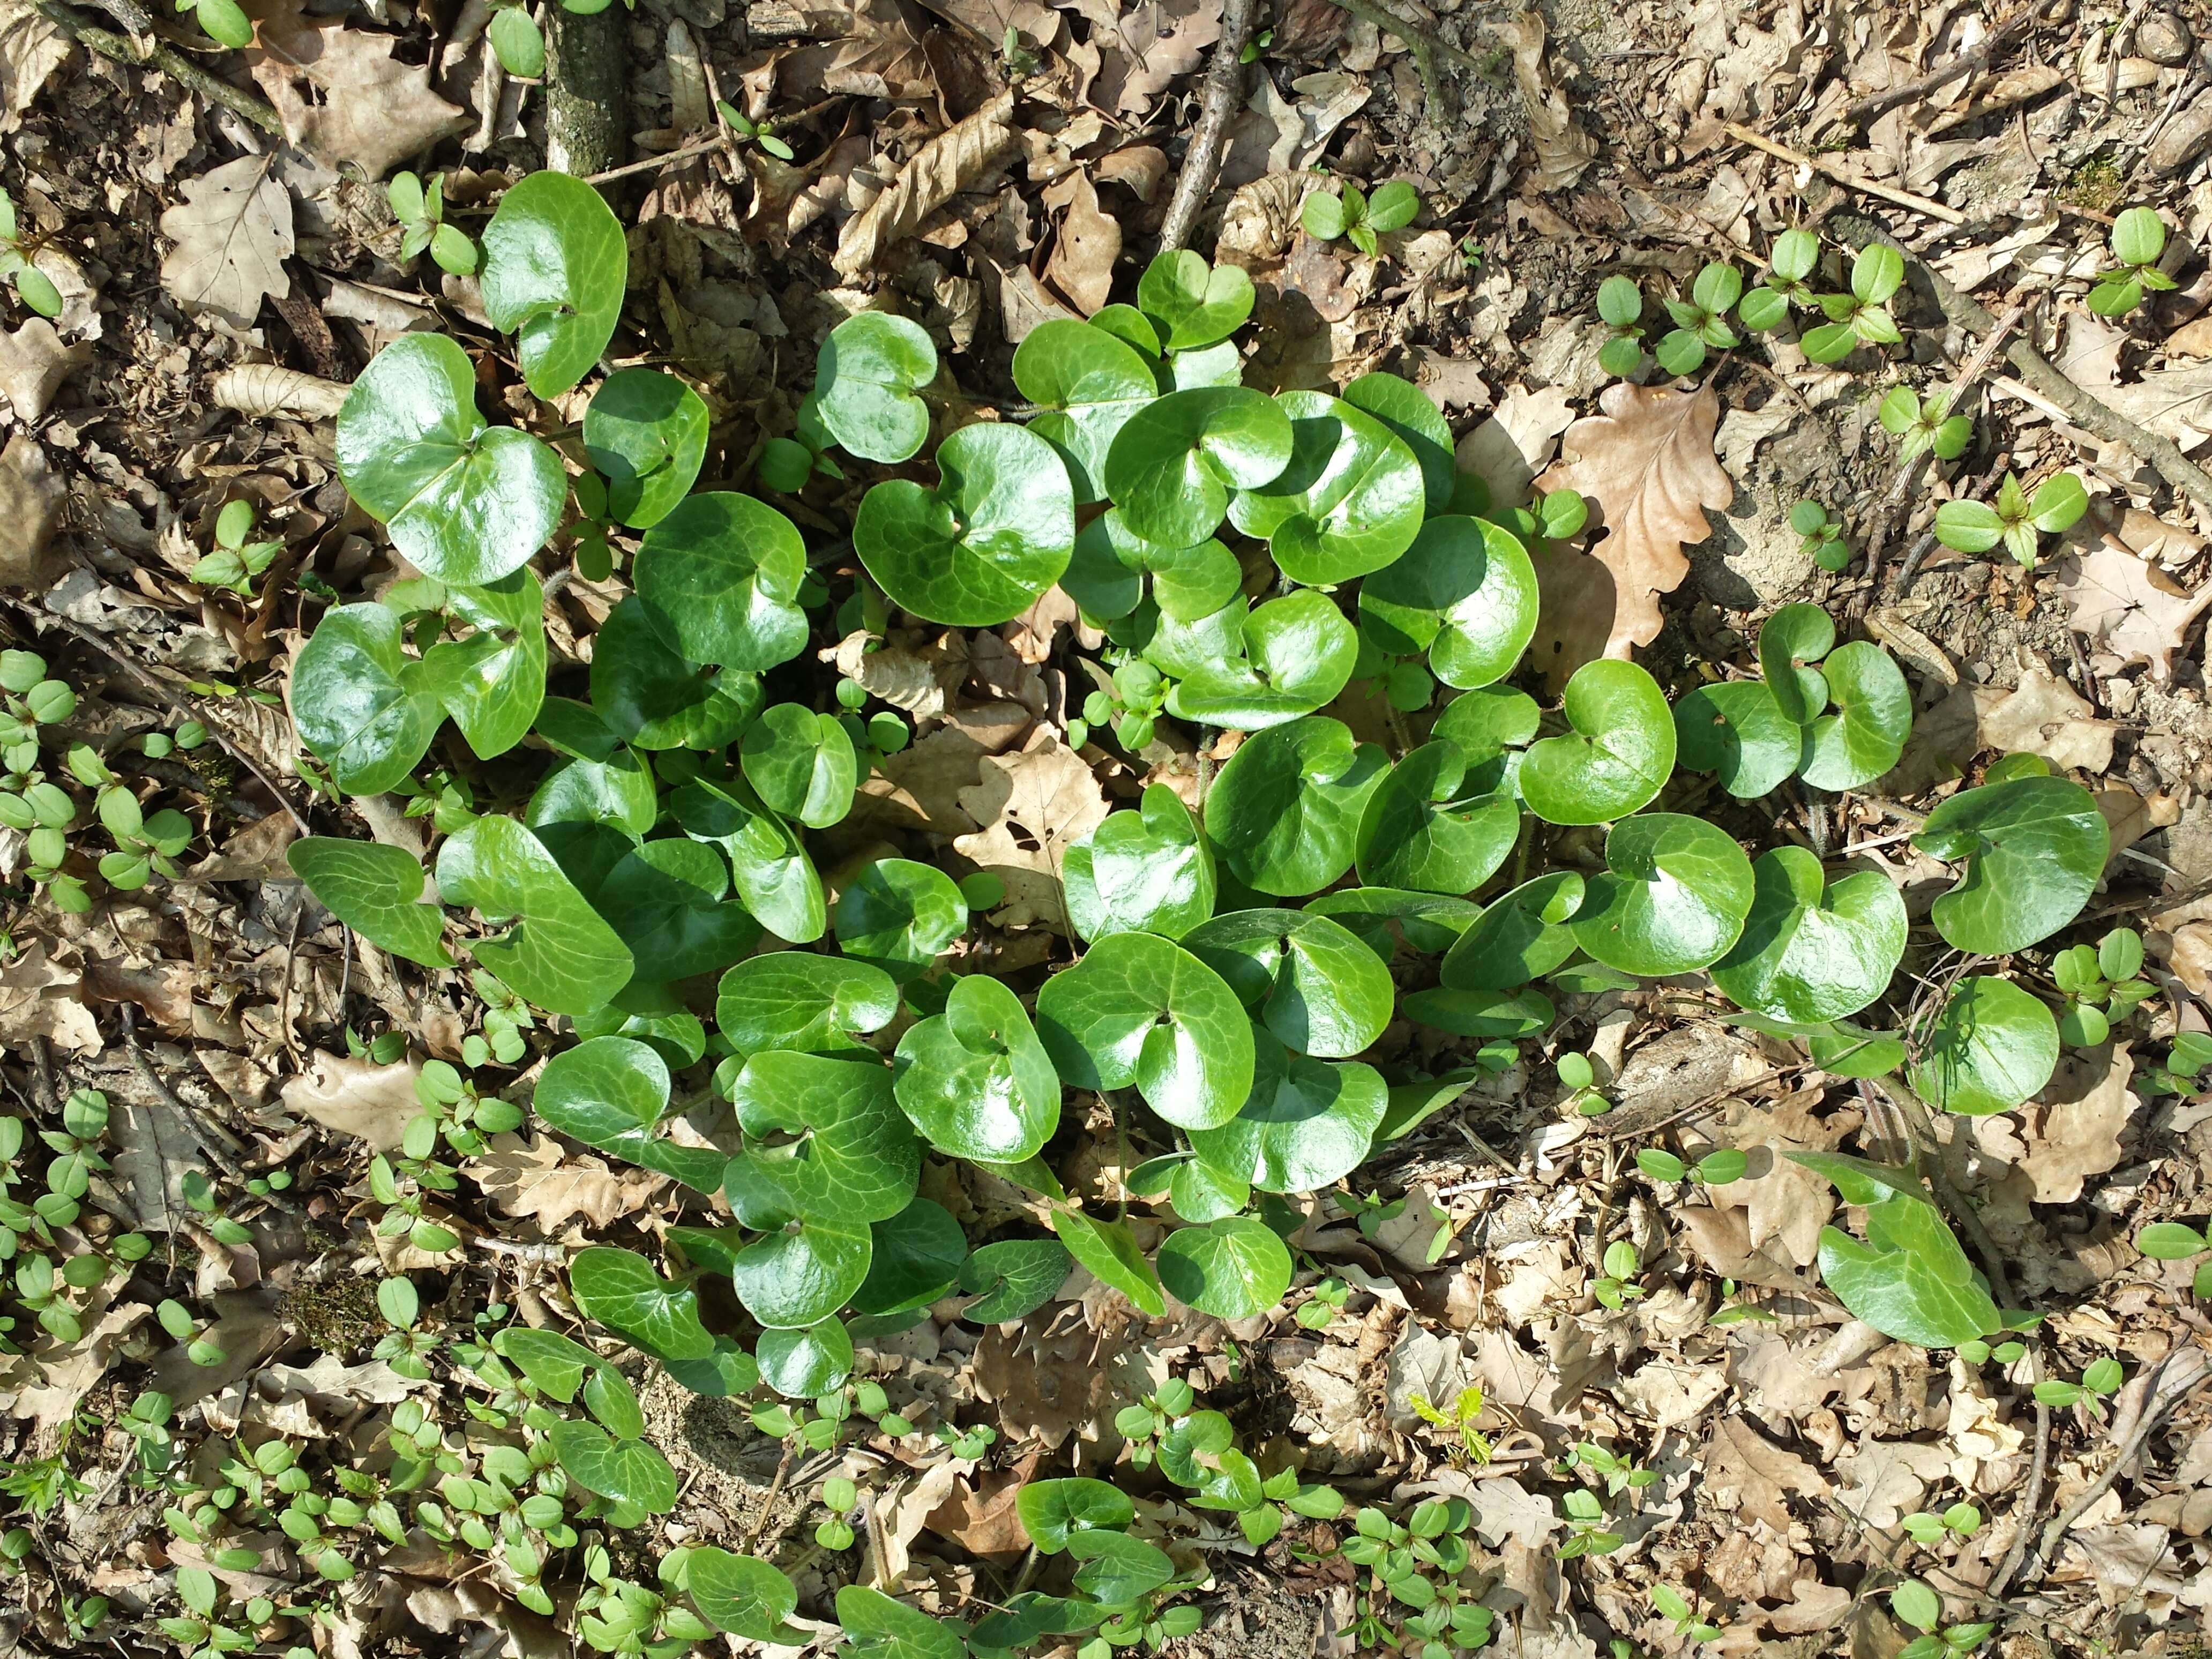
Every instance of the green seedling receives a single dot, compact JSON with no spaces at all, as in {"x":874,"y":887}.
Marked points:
{"x":420,"y":208}
{"x":1357,"y":217}
{"x":2016,"y":519}
{"x":1961,"y":1520}
{"x":1823,"y":541}
{"x":1620,"y":306}
{"x":1673,"y":1605}
{"x":1701,"y":321}
{"x":1410,"y":1597}
{"x":2101,"y":987}
{"x":1923,"y":427}
{"x":1860,"y":317}
{"x":2100,"y":1380}
{"x":1617,"y":1284}
{"x":1474,"y":1447}
{"x":2138,"y":238}
{"x":1715,"y":1169}
{"x":33,"y":286}
{"x":1918,"y":1608}
{"x":748,"y":131}
{"x":2176,"y":1241}
{"x":236,"y":561}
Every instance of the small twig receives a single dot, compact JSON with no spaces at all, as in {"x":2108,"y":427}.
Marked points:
{"x":1843,"y":176}
{"x":704,"y":147}
{"x":1877,"y":105}
{"x":122,"y":49}
{"x":1201,"y":162}
{"x":2029,"y":1505}
{"x":536,"y":1256}
{"x":1415,"y":35}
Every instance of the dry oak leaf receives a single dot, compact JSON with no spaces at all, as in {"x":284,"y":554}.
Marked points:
{"x":31,"y":47}
{"x":1562,"y":148}
{"x":1647,"y":466}
{"x":1152,"y":46}
{"x":2043,"y":716}
{"x":919,"y":680}
{"x":342,"y":95}
{"x":1031,"y":803}
{"x":2074,"y":1131}
{"x":956,"y":160}
{"x":2128,"y":606}
{"x":232,"y":233}
{"x":1082,"y":263}
{"x":1888,"y":1478}
{"x":356,"y":1097}
{"x":537,"y":1178}
{"x":33,"y":363}
{"x":41,"y":999}
{"x":1742,"y":1460}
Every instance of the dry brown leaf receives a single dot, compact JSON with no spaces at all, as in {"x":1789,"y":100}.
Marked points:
{"x":989,"y":20}
{"x":1149,"y":47}
{"x":1647,"y":466}
{"x":31,"y":49}
{"x":917,"y":678}
{"x":31,"y":496}
{"x":356,"y":1097}
{"x":1031,"y":803}
{"x":41,"y":999}
{"x":46,"y":1387}
{"x":1888,"y":1478}
{"x":232,"y":233}
{"x":981,"y":1516}
{"x":1783,"y":1202}
{"x":1740,"y":1460}
{"x":1142,"y":167}
{"x":2128,"y":606}
{"x":2073,"y":1130}
{"x":1032,"y":633}
{"x":1082,"y":263}
{"x":1562,"y":148}
{"x":1508,"y":450}
{"x":341,"y":95}
{"x":957,"y":159}
{"x":881,"y":57}
{"x":1505,"y":1508}
{"x":33,"y":363}
{"x":537,"y":1178}
{"x":2043,"y":716}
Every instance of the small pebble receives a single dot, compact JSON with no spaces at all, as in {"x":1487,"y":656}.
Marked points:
{"x":2184,"y":138}
{"x":2165,"y":38}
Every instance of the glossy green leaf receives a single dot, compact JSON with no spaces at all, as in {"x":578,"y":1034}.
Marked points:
{"x":374,"y":889}
{"x":900,"y":916}
{"x":1139,"y":1009}
{"x":1013,"y":1278}
{"x":769,"y":865}
{"x":741,"y":1594}
{"x":2033,"y":849}
{"x":1118,"y":1570}
{"x":1307,"y":1124}
{"x":1087,"y":384}
{"x":556,"y":1363}
{"x":465,"y":503}
{"x":1993,"y":1046}
{"x":610,"y":1093}
{"x":493,"y":682}
{"x":917,"y":1257}
{"x":1053,"y":1511}
{"x":878,"y":1627}
{"x":865,"y":383}
{"x":1423,"y":830}
{"x":555,"y":264}
{"x":1672,"y":898}
{"x":1465,"y":593}
{"x":1312,"y":982}
{"x":718,"y":576}
{"x":1411,"y":1104}
{"x":1909,"y":1279}
{"x":1195,"y":304}
{"x":362,"y":706}
{"x":1285,"y":811}
{"x":1618,"y":755}
{"x":1735,"y":729}
{"x":855,"y":1161}
{"x":646,"y":431}
{"x":1864,"y":738}
{"x":1428,"y":922}
{"x":1299,"y":654}
{"x":1172,"y":467}
{"x":1521,"y":935}
{"x":1232,"y":1268}
{"x":797,"y":1000}
{"x":648,"y":695}
{"x":805,"y":1365}
{"x":798,"y":1274}
{"x":622,"y":1291}
{"x":975,"y":1080}
{"x":617,"y":791}
{"x":1813,"y":949}
{"x":985,"y":544}
{"x":627,"y":1471}
{"x":801,"y":764}
{"x":1793,"y":638}
{"x":1108,"y":1251}
{"x":559,"y":954}
{"x":1348,"y":500}
{"x":1410,"y":413}
{"x":1481,"y":1013}
{"x":1147,"y":871}
{"x":668,"y":901}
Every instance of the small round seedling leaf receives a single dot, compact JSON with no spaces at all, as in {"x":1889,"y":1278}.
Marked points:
{"x":374,"y":889}
{"x":464,"y":502}
{"x":1194,"y":303}
{"x":1313,"y":982}
{"x":1148,"y":871}
{"x":1864,"y":738}
{"x":1736,"y":730}
{"x":555,"y":264}
{"x":646,"y":432}
{"x":2033,"y":849}
{"x":1616,"y":758}
{"x":1052,"y":1511}
{"x":1141,"y":1010}
{"x":1993,"y":1046}
{"x":1790,"y":642}
{"x":1348,"y":500}
{"x":975,"y":1079}
{"x":1285,"y":811}
{"x":1521,"y":935}
{"x":1812,"y":950}
{"x":1013,"y":1278}
{"x":801,"y":764}
{"x":1672,"y":898}
{"x":985,"y":544}
{"x":1465,"y":591}
{"x":2138,"y":236}
{"x":1307,"y":1124}
{"x":1232,"y":1268}
{"x":808,"y":1363}
{"x":1424,"y":829}
{"x":900,"y":916}
{"x":799,"y":1000}
{"x":1087,"y":384}
{"x":718,"y":576}
{"x":1171,"y":468}
{"x":1410,"y":413}
{"x":865,"y":383}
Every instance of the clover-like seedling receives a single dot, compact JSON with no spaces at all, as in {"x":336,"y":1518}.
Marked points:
{"x":1672,"y":1604}
{"x":1584,"y":1511}
{"x":2015,"y":518}
{"x":1766,"y":306}
{"x":1617,"y":1284}
{"x":1579,"y":1077}
{"x":1861,"y":316}
{"x":2138,"y":238}
{"x":1357,"y":217}
{"x":235,"y":561}
{"x":1715,"y":1169}
{"x":2176,"y":1241}
{"x":420,"y":209}
{"x":1921,"y":426}
{"x":2190,"y":1054}
{"x":145,"y":844}
{"x":1620,"y":306}
{"x":1701,"y":320}
{"x":748,"y":131}
{"x":2106,"y":974}
{"x":33,"y":286}
{"x":2100,"y":1380}
{"x":1823,"y":536}
{"x":1961,"y":1520}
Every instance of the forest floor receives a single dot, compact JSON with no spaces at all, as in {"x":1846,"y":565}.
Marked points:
{"x":216,"y":278}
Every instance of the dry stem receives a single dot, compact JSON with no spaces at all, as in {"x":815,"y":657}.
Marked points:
{"x":1201,"y":163}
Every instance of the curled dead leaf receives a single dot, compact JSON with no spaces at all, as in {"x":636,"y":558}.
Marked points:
{"x":957,"y":159}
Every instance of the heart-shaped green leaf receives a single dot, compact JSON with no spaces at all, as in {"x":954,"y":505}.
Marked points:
{"x":667,"y":900}
{"x":1465,"y":593}
{"x":1617,"y":757}
{"x":1118,"y":1570}
{"x":611,"y":1093}
{"x":1422,"y":829}
{"x":1348,"y":500}
{"x":617,"y":791}
{"x":798,"y":1274}
{"x":1053,"y":1511}
{"x":622,"y":1290}
{"x":648,"y":695}
{"x":985,"y":544}
{"x":1672,"y":898}
{"x":719,"y":575}
{"x":917,"y":1257}
{"x":493,"y":682}
{"x":801,"y":764}
{"x":646,"y":431}
{"x":1012,"y":1278}
{"x":1427,"y":922}
{"x":555,"y":264}
{"x":865,"y":383}
{"x":1106,"y":576}
{"x":1993,"y":1046}
{"x":1299,"y":654}
{"x":1874,"y":716}
{"x":1315,"y":984}
{"x":1737,"y":730}
{"x":1812,"y":950}
{"x":878,"y":1627}
{"x":1194,"y":304}
{"x":1172,"y":466}
{"x":1790,"y":642}
{"x":768,"y":864}
{"x":797,"y":1000}
{"x":1108,"y":1251}
{"x":1285,"y":812}
{"x":1481,"y":1013}
{"x":1232,"y":1268}
{"x":855,"y":1162}
{"x":1910,"y":1280}
{"x":627,"y":1471}
{"x":1087,"y":384}
{"x":1145,"y":872}
{"x":555,"y":1363}
{"x":558,"y":955}
{"x":465,"y":503}
{"x":362,"y":707}
{"x":1521,"y":935}
{"x":975,"y":1079}
{"x":1409,"y":412}
{"x":900,"y":915}
{"x":807,"y":1365}
{"x":1307,"y":1125}
{"x":2033,"y":849}
{"x":740,"y":1594}
{"x":376,"y":891}
{"x":1141,"y":1010}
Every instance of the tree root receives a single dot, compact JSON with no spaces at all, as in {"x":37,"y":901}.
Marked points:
{"x":122,"y":49}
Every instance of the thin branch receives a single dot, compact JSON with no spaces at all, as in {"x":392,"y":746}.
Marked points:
{"x":2159,"y":1399}
{"x":1843,"y":176}
{"x":1418,"y":36}
{"x":652,"y":163}
{"x":122,"y":49}
{"x":1879,"y":104}
{"x":1201,"y":162}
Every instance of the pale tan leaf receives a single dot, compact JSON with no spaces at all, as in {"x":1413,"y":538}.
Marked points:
{"x":917,"y":678}
{"x":2074,"y":1128}
{"x":989,"y":20}
{"x":356,"y":1097}
{"x":341,"y":95}
{"x":1647,"y":466}
{"x":1031,"y":803}
{"x":264,"y":389}
{"x":1082,"y":263}
{"x":1562,"y":148}
{"x":33,"y":363}
{"x":2043,"y":716}
{"x":957,"y":159}
{"x":537,"y":1178}
{"x":230,"y":236}
{"x":1742,"y":1463}
{"x":2128,"y":606}
{"x":1150,"y":46}
{"x":41,"y":998}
